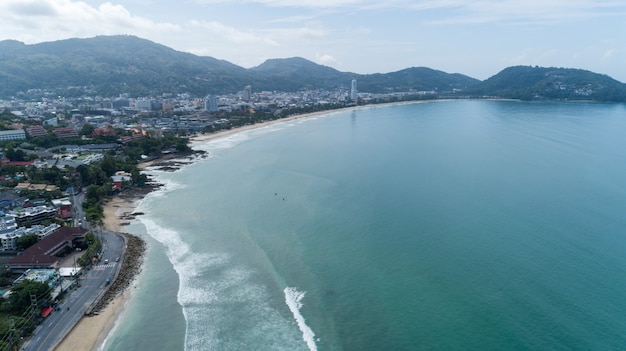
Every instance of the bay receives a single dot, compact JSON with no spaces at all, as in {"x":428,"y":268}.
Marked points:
{"x":466,"y":225}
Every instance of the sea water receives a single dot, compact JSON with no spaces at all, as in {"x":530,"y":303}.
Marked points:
{"x":456,"y":225}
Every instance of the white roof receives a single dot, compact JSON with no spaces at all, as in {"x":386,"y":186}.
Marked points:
{"x":69,"y":271}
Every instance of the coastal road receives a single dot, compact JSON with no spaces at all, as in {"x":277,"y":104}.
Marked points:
{"x":92,"y":284}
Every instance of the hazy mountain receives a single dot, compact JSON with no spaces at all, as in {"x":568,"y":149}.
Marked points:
{"x":110,"y":65}
{"x":536,"y":83}
{"x":416,"y":78}
{"x":297,"y":73}
{"x":118,"y":64}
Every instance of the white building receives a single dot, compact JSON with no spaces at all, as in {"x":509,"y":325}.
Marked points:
{"x":9,"y":238}
{"x":354,"y":93}
{"x":143,"y":104}
{"x":246,"y":94}
{"x":14,"y":134}
{"x":34,"y":215}
{"x":210,"y":103}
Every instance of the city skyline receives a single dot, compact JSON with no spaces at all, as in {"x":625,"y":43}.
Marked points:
{"x":475,"y":38}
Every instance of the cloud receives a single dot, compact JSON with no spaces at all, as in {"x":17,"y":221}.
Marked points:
{"x":31,"y":8}
{"x":522,"y":12}
{"x":325,"y":59}
{"x":34,"y":21}
{"x":448,"y":12}
{"x":233,"y":34}
{"x":292,"y":19}
{"x":293,"y":4}
{"x":608,"y":54}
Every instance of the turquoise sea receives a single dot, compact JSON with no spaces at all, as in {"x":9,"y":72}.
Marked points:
{"x":451,"y":225}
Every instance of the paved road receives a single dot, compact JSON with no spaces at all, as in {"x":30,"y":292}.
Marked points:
{"x":91,"y":285}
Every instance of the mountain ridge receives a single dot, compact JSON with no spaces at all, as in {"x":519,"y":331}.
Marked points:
{"x":111,"y":65}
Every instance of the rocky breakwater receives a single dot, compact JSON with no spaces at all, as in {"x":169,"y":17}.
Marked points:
{"x":131,"y":266}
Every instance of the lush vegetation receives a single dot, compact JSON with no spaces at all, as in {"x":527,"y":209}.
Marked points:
{"x":93,"y":248}
{"x":110,"y":65}
{"x":26,"y":241}
{"x":21,"y":311}
{"x":21,"y":293}
{"x":540,"y":83}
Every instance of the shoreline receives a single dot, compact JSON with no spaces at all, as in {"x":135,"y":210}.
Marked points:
{"x":90,"y":333}
{"x":228,"y":132}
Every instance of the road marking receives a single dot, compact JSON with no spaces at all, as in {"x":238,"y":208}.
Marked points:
{"x":103,"y":266}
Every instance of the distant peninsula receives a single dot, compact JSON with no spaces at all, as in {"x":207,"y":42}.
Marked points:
{"x":114,"y":65}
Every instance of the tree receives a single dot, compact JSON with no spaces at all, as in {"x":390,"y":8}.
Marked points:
{"x":95,"y":193}
{"x":5,"y":277}
{"x":87,"y":130}
{"x":20,"y":297}
{"x":15,"y":154}
{"x":26,"y":241}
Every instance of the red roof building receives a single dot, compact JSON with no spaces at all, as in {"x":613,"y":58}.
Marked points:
{"x":36,"y":131}
{"x":65,"y":133}
{"x":42,"y":255}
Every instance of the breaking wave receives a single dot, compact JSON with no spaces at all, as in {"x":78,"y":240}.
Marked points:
{"x":293,"y":298}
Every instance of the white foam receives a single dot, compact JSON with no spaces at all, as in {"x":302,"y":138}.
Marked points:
{"x":232,"y":140}
{"x":168,"y":185}
{"x":213,"y":286}
{"x":188,"y":265}
{"x":293,"y":298}
{"x":117,"y":323}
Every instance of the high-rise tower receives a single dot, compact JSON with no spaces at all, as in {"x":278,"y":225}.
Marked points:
{"x":210,"y":103}
{"x":246,"y":94}
{"x":354,"y":94}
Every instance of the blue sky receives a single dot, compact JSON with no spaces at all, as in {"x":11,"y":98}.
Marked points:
{"x":477,"y":38}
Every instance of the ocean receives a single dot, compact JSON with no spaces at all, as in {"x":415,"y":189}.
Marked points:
{"x":448,"y":225}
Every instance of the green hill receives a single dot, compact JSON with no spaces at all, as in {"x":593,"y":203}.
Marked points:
{"x":110,"y":65}
{"x":540,"y":83}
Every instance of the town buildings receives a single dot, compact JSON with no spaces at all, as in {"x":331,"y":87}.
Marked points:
{"x":15,"y":134}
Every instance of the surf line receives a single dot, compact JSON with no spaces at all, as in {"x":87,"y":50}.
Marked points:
{"x":293,"y":298}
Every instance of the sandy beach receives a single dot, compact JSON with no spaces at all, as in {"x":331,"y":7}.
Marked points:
{"x":227,"y":132}
{"x":90,"y":332}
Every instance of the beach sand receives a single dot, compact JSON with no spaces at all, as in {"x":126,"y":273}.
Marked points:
{"x":90,"y":332}
{"x":223,"y":133}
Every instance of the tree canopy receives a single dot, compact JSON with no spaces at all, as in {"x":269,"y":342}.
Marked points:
{"x":26,"y":241}
{"x":21,"y":293}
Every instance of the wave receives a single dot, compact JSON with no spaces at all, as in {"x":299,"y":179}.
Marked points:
{"x":293,"y":298}
{"x":188,"y":266}
{"x":223,"y":303}
{"x":116,"y":325}
{"x":238,"y":137}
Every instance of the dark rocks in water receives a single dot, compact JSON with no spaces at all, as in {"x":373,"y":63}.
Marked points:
{"x":168,"y":169}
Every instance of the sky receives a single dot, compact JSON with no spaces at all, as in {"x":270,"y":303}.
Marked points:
{"x":477,"y":38}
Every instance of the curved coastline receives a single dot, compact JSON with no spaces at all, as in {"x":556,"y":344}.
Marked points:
{"x":91,"y":333}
